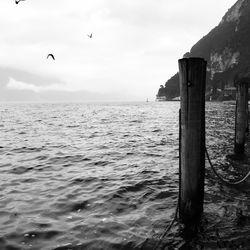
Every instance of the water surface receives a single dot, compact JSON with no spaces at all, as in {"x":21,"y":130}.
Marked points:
{"x":105,"y":176}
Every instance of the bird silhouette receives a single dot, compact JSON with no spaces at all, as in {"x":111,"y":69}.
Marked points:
{"x":17,"y":1}
{"x":52,"y":56}
{"x":90,"y":36}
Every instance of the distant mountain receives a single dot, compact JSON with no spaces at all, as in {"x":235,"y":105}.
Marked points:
{"x":20,"y":86}
{"x":8,"y":93}
{"x":226,"y":49}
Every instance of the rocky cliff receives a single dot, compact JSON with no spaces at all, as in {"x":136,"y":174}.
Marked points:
{"x":226,"y":49}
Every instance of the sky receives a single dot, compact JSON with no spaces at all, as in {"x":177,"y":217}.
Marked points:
{"x":134,"y":49}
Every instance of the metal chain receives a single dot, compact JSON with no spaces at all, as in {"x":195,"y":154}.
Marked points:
{"x":223,"y":179}
{"x":177,"y":206}
{"x":178,"y":201}
{"x":169,"y":226}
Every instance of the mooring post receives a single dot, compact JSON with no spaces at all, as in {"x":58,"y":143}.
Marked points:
{"x":247,"y":118}
{"x":241,"y":117}
{"x":247,"y":110}
{"x":192,"y":75}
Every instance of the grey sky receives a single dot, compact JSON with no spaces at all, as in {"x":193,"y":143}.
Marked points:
{"x":134,"y":49}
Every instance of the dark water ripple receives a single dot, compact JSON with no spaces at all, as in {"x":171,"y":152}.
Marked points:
{"x":105,"y":176}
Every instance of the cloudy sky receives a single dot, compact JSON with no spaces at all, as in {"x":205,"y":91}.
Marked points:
{"x":134,"y":48}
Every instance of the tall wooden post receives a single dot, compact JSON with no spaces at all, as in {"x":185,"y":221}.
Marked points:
{"x":247,"y":118}
{"x":241,"y":117}
{"x":247,"y":110}
{"x":192,"y":74}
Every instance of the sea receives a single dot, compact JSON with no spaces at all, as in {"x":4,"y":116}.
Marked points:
{"x":105,"y":176}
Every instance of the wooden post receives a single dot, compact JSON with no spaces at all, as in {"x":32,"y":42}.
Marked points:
{"x":192,"y":74}
{"x":241,"y":117}
{"x":247,"y":118}
{"x":247,"y":110}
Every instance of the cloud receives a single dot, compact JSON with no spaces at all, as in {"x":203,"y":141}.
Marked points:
{"x":18,"y":85}
{"x":17,"y":91}
{"x":24,"y":76}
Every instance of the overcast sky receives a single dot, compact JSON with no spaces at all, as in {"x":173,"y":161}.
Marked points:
{"x":134,"y":48}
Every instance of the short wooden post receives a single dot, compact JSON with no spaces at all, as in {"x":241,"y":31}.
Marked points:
{"x":241,"y":117}
{"x":192,"y":75}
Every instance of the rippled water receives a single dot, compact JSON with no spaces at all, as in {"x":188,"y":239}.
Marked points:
{"x":105,"y":176}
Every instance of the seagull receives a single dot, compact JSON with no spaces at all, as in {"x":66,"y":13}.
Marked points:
{"x":90,"y":36}
{"x":52,"y":56}
{"x":17,"y":1}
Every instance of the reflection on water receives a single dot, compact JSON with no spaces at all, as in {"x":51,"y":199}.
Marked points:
{"x":105,"y":176}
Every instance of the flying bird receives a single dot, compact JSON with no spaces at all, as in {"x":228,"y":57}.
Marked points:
{"x":17,"y":1}
{"x":52,"y":56}
{"x":90,"y":36}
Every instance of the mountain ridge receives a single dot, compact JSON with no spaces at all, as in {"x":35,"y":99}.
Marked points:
{"x":226,"y":48}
